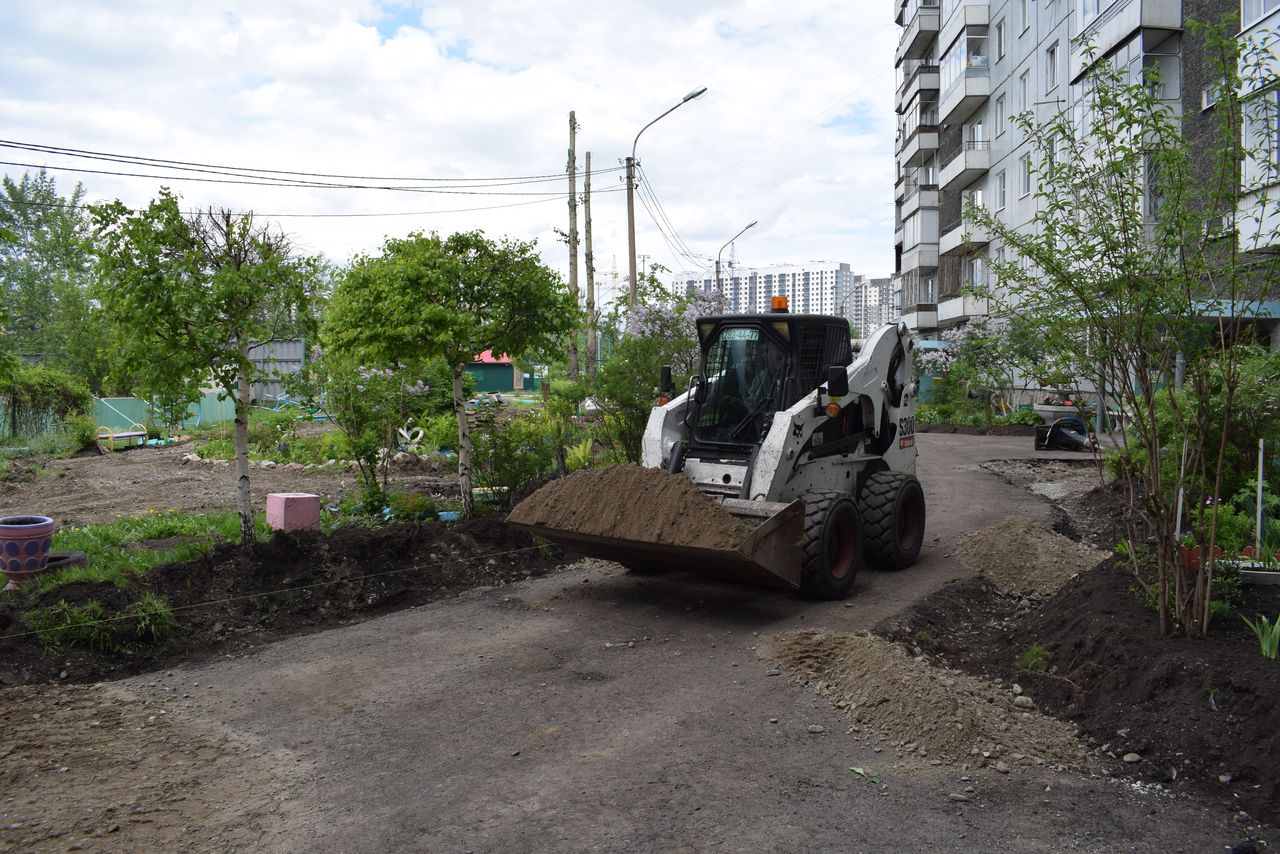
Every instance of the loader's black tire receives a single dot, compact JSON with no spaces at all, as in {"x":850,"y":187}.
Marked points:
{"x":832,"y":545}
{"x":892,"y":508}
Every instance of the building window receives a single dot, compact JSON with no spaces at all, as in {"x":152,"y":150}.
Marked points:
{"x":1262,"y":140}
{"x":1050,"y":151}
{"x":1000,"y":39}
{"x":1051,"y":67}
{"x":1209,"y":96}
{"x":1000,"y":191}
{"x":1000,"y":115}
{"x":1252,"y":11}
{"x":1025,"y":11}
{"x":1024,"y":90}
{"x":1089,"y":9}
{"x":1026,"y":175}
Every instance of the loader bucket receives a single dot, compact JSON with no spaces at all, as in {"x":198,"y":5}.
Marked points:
{"x":769,"y":555}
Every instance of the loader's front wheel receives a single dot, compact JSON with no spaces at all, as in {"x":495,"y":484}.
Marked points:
{"x":832,"y":545}
{"x":893,"y":519}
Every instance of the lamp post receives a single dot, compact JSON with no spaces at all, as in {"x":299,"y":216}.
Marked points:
{"x":631,"y":201}
{"x":720,"y":289}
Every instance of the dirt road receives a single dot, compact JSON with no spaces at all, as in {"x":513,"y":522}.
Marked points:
{"x":597,"y":711}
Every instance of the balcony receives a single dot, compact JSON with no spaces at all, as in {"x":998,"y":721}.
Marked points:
{"x":919,"y":145}
{"x":964,"y":96}
{"x":920,"y":31}
{"x":969,"y":163}
{"x":959,"y":308}
{"x":922,"y":256}
{"x":920,"y":318}
{"x":919,"y":196}
{"x":967,"y":14}
{"x":959,"y":237}
{"x":918,"y":76}
{"x":900,"y":12}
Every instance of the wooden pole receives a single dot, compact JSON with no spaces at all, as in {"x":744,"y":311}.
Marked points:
{"x":591,"y":274}
{"x":573,"y":237}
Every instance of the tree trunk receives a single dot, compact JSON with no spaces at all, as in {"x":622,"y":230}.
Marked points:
{"x":464,"y":446}
{"x":244,"y":498}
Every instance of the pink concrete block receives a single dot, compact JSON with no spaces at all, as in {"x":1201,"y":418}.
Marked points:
{"x":289,"y":511}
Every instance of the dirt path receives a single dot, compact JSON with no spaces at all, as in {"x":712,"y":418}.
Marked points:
{"x":595,"y":710}
{"x":90,"y":489}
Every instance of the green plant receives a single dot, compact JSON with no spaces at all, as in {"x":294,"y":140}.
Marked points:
{"x":512,"y":453}
{"x":84,"y":625}
{"x":1268,"y":634}
{"x":152,"y":618}
{"x":80,"y":430}
{"x":580,"y":456}
{"x":925,"y":640}
{"x":1220,"y":609}
{"x":1034,"y":658}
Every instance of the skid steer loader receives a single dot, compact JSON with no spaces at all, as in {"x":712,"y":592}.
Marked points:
{"x":798,"y":432}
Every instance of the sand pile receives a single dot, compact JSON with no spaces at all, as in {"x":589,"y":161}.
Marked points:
{"x":928,"y":710}
{"x":1024,"y":558}
{"x":632,"y":503}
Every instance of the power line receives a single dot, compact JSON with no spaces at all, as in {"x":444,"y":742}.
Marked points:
{"x":84,"y":152}
{"x":301,"y":215}
{"x":268,"y":183}
{"x":647,"y":186}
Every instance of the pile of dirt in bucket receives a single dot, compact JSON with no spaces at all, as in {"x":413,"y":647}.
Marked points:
{"x":233,"y":597}
{"x":931,"y":711}
{"x":1024,"y":558}
{"x":628,"y":502}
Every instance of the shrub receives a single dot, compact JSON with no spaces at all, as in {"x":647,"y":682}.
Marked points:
{"x":511,"y":454}
{"x":152,"y":618}
{"x":80,"y":430}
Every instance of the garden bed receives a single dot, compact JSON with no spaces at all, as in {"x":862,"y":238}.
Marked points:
{"x":1198,"y":713}
{"x":979,"y":429}
{"x":233,"y":598}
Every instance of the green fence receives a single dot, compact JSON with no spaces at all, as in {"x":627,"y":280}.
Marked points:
{"x":119,"y":412}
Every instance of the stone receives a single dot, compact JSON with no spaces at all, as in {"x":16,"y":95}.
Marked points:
{"x":958,"y":798}
{"x":1001,"y":768}
{"x":1132,"y":758}
{"x":1022,"y":701}
{"x":817,"y":728}
{"x":291,"y":511}
{"x":1016,"y":689}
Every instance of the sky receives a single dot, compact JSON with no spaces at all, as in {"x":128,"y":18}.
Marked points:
{"x":795,"y":131}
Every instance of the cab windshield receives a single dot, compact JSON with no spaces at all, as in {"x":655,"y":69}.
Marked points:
{"x":744,"y":370}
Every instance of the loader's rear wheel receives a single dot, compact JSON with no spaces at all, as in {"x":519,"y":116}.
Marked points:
{"x":893,"y":519}
{"x":832,"y":545}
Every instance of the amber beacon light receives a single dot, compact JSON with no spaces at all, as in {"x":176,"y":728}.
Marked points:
{"x":779,"y":303}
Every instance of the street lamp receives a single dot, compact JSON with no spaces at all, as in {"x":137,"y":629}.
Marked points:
{"x":719,"y":289}
{"x":631,"y":201}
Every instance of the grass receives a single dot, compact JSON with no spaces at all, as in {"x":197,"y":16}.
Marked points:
{"x":1034,"y":658}
{"x":112,"y":560}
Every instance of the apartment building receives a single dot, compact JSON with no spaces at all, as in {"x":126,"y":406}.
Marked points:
{"x":965,"y":69}
{"x":819,"y":287}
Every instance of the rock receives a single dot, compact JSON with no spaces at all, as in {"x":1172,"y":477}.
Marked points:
{"x":958,"y":798}
{"x":1016,"y":689}
{"x":817,"y":728}
{"x":1001,"y":768}
{"x":1022,"y":701}
{"x":294,"y":466}
{"x":773,"y":720}
{"x":269,"y":464}
{"x":1132,"y":758}
{"x":1225,"y":778}
{"x":402,"y":457}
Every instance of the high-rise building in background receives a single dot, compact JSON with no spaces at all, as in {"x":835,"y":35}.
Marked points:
{"x":819,"y":287}
{"x":965,"y":69}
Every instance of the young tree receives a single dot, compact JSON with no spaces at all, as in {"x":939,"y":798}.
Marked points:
{"x":453,"y":297}
{"x":45,"y":273}
{"x":1127,"y":270}
{"x":189,"y":296}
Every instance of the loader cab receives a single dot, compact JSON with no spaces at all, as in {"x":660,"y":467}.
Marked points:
{"x":755,"y":365}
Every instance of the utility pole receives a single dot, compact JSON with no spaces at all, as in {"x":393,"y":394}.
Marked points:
{"x":573,"y":237}
{"x":631,"y":231}
{"x":591,"y":273}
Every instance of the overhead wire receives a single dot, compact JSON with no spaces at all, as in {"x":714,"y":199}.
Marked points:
{"x":647,"y":186}
{"x":132,"y":209}
{"x":198,"y":166}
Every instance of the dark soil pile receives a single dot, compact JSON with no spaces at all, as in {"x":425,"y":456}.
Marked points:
{"x":632,"y":503}
{"x":233,"y":598}
{"x":978,"y":429}
{"x":1203,"y":713}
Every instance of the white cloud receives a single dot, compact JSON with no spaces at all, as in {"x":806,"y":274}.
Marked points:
{"x":796,"y":129}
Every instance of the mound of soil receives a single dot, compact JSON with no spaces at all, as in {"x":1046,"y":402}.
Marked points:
{"x":1198,"y":712}
{"x":1022,"y":557}
{"x":938,"y":713}
{"x":632,"y":503}
{"x":978,"y":430}
{"x":232,"y":598}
